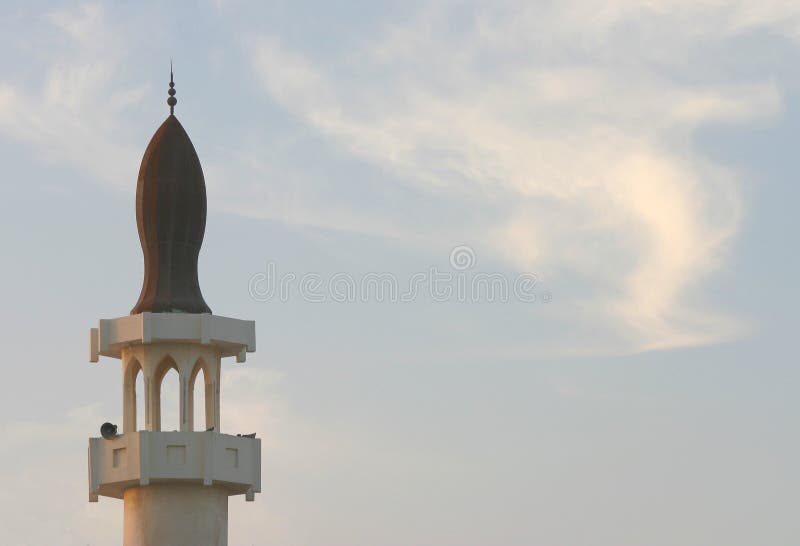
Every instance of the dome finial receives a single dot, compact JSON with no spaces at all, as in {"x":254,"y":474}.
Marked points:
{"x":172,"y":101}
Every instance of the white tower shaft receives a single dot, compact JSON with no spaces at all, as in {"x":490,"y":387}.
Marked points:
{"x":176,"y":515}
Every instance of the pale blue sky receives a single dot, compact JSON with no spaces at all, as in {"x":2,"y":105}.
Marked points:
{"x":637,"y":157}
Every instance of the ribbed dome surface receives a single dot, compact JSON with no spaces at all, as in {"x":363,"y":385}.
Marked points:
{"x":171,"y":216}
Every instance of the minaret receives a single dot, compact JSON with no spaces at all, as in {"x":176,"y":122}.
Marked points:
{"x":175,"y":484}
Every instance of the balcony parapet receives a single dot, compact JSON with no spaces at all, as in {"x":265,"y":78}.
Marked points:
{"x":140,"y":458}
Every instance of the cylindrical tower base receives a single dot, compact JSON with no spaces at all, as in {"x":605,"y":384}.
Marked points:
{"x":176,"y":515}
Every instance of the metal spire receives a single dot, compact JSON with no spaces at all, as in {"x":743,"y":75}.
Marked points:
{"x":172,"y":101}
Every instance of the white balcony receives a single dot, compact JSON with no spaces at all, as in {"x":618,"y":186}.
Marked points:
{"x":141,"y":458}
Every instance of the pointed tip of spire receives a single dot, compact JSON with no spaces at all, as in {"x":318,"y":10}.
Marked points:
{"x":172,"y":101}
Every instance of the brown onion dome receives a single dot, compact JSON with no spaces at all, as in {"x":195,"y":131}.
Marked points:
{"x":171,"y":217}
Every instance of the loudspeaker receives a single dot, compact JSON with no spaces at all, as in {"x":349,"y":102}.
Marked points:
{"x":108,"y":431}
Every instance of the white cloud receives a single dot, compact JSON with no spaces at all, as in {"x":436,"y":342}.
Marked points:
{"x":567,"y":125}
{"x":74,"y":114}
{"x":566,"y":151}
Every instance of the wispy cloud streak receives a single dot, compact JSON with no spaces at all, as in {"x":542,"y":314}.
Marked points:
{"x":586,"y":161}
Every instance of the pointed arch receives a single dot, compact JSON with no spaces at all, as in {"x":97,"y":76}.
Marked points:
{"x":166,"y":365}
{"x":208,"y":393}
{"x":132,"y":397}
{"x":140,"y":407}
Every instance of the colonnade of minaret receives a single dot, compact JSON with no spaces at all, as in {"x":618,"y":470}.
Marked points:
{"x":192,"y":363}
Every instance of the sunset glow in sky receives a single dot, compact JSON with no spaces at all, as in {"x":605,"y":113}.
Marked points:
{"x":634,"y":162}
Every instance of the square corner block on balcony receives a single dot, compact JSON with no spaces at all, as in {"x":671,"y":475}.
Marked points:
{"x":233,"y":337}
{"x":204,"y":458}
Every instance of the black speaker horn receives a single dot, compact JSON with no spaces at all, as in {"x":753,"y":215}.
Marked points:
{"x":108,"y":431}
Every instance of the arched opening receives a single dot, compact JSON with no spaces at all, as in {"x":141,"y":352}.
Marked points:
{"x":167,"y":393}
{"x":201,"y":397}
{"x":138,"y":401}
{"x":170,"y":400}
{"x":133,"y":398}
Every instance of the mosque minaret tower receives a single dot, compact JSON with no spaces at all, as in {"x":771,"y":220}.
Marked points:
{"x":174,"y":484}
